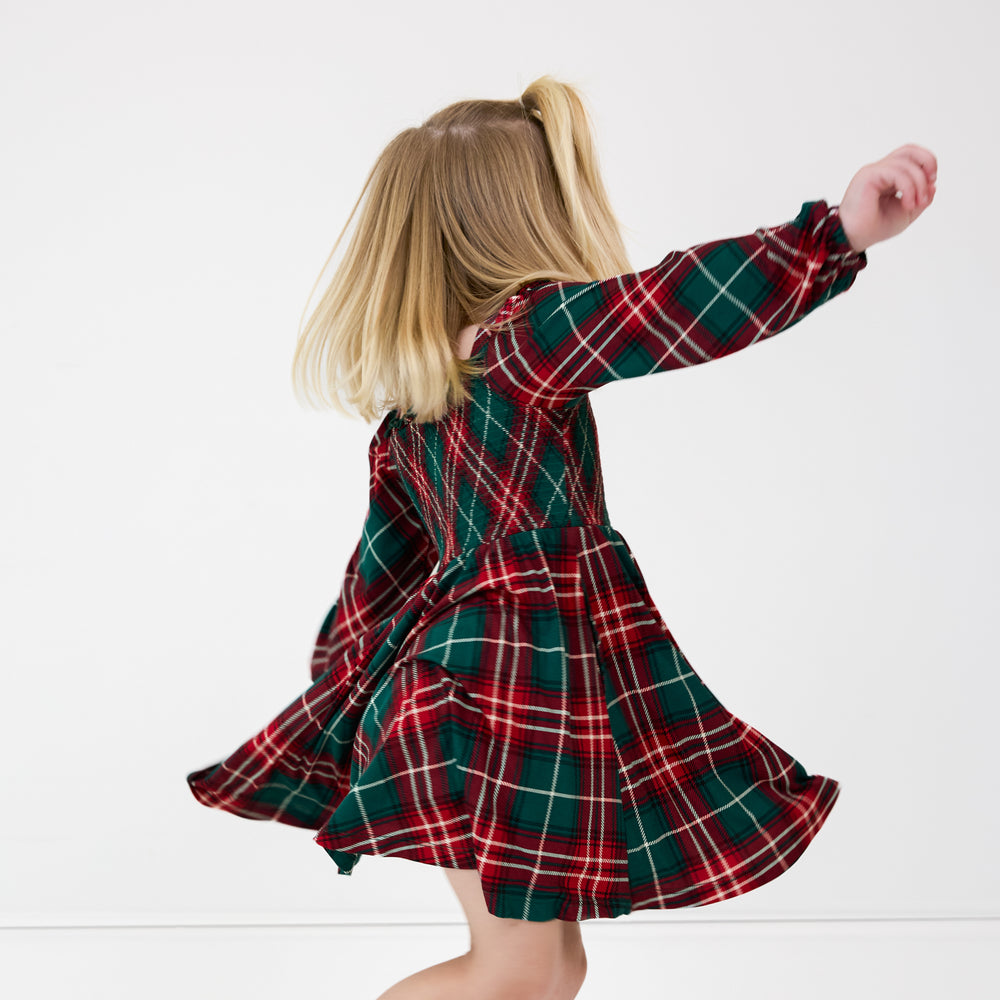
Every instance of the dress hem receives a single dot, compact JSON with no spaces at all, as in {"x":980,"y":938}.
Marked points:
{"x":686,"y":897}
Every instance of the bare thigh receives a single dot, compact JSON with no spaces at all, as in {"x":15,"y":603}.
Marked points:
{"x":545,"y":950}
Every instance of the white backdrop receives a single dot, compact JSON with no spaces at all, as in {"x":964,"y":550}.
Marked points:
{"x":815,"y":515}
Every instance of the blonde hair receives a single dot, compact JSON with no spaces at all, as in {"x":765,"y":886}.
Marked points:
{"x":481,"y":199}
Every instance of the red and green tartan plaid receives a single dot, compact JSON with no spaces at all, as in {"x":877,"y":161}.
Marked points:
{"x":494,"y":687}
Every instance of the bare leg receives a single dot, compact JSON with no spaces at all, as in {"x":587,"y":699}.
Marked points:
{"x":445,"y":981}
{"x":508,"y":959}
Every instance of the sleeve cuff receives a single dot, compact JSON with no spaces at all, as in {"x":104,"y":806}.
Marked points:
{"x":838,"y":238}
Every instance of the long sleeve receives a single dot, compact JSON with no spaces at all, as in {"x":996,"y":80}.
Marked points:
{"x":392,"y":558}
{"x":695,"y":305}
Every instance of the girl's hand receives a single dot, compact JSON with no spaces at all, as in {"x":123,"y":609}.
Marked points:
{"x":870,"y":211}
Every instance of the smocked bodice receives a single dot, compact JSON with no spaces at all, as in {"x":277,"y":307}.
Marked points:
{"x":494,"y":466}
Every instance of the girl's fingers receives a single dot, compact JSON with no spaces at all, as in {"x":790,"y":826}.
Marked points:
{"x":892,"y":177}
{"x":924,"y":158}
{"x":915,"y":195}
{"x":907,"y":189}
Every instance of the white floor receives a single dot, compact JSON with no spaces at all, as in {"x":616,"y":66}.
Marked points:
{"x":806,"y":960}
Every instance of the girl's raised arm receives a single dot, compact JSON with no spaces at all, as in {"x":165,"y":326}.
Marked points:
{"x":393,"y":557}
{"x":695,"y":305}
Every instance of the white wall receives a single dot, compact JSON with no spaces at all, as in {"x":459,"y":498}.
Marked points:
{"x":815,"y":516}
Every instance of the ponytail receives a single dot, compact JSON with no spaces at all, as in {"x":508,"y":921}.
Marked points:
{"x":562,"y":115}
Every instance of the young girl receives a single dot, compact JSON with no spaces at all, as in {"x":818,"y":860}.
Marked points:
{"x":494,"y":691}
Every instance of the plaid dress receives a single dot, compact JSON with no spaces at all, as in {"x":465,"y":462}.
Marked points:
{"x":493,"y":687}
